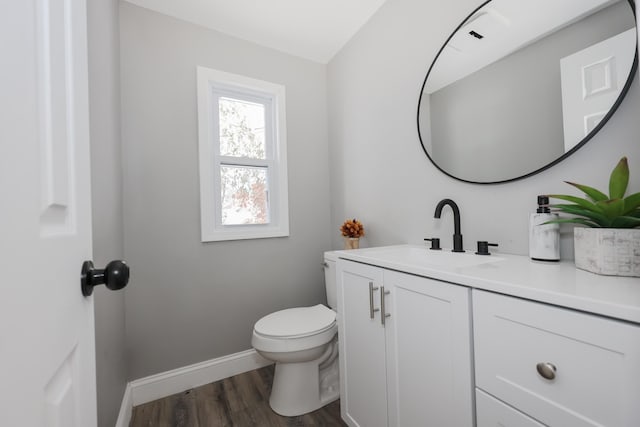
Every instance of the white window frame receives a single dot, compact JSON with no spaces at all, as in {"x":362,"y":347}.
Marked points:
{"x":211,"y":84}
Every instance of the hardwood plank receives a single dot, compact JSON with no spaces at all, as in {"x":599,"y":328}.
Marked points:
{"x":245,"y":391}
{"x":239,"y":401}
{"x":212,"y":408}
{"x":146,"y":415}
{"x":261,"y":380}
{"x":182,"y":410}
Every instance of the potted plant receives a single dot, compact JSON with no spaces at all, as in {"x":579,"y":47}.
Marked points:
{"x":609,"y":242}
{"x":352,"y":230}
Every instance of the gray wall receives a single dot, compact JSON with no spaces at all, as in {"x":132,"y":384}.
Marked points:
{"x":503,"y":105}
{"x":106,"y":179}
{"x":374,"y":84}
{"x":191,"y":301}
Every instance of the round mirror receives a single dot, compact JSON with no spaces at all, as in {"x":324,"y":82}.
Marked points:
{"x":520,"y":85}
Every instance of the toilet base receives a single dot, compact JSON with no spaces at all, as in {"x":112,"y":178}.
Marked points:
{"x":300,"y":388}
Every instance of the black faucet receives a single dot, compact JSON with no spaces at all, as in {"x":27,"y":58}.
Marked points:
{"x":457,"y":236}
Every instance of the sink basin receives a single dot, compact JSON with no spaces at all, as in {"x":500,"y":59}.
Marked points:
{"x":425,"y":257}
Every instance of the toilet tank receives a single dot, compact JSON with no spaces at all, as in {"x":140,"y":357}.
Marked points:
{"x":330,"y":283}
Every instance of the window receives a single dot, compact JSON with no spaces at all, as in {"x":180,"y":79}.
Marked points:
{"x":243,"y":162}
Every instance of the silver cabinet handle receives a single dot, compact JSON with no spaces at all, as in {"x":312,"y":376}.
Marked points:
{"x":371,"y":309}
{"x":383,"y":313}
{"x":546,"y":370}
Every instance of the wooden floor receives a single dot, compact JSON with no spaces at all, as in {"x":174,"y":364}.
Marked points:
{"x":239,"y":401}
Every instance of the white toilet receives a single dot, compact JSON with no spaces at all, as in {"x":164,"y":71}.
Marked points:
{"x":303,"y":342}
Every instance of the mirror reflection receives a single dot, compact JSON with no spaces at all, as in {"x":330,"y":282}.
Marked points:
{"x":521,"y":85}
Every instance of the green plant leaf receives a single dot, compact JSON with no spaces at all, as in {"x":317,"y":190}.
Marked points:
{"x":612,"y":208}
{"x":631,"y":202}
{"x":595,"y":195}
{"x":579,"y":201}
{"x":596,"y":217}
{"x":619,"y":179}
{"x":625,"y":222}
{"x":599,"y":209}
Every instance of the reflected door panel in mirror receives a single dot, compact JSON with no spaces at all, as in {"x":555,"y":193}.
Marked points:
{"x":501,"y":117}
{"x":591,"y":82}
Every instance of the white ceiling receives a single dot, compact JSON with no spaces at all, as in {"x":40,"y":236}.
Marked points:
{"x":314,"y":30}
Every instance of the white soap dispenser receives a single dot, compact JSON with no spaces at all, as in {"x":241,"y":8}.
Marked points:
{"x":544,"y":239}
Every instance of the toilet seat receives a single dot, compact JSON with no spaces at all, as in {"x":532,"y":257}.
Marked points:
{"x":296,"y":322}
{"x":295,"y":329}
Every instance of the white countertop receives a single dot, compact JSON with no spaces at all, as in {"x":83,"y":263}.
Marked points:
{"x":558,"y":283}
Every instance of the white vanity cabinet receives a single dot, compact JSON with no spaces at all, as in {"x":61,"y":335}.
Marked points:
{"x":485,"y":341}
{"x":558,"y":366}
{"x":405,"y":349}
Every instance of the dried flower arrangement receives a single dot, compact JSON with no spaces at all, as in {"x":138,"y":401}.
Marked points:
{"x":352,"y":228}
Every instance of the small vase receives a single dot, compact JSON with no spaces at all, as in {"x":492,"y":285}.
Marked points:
{"x":351,"y":242}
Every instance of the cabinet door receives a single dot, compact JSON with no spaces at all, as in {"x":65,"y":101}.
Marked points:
{"x":429,"y":359}
{"x":363,"y":394}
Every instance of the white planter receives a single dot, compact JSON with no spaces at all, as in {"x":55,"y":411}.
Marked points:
{"x":608,"y":251}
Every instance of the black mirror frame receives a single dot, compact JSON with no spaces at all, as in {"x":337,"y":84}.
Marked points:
{"x":605,"y":119}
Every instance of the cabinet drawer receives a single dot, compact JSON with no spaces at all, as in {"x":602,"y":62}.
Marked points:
{"x":490,"y":412}
{"x":597,"y":362}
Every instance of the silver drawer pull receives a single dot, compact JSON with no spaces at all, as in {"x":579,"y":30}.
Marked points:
{"x":546,"y":370}
{"x":383,"y":312}
{"x":371,"y":309}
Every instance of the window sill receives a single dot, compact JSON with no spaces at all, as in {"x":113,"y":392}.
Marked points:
{"x":235,"y":234}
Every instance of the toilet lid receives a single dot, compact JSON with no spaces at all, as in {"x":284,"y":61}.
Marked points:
{"x":296,"y":322}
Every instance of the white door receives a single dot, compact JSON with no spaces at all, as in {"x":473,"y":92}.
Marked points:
{"x":592,"y":80}
{"x":47,"y":356}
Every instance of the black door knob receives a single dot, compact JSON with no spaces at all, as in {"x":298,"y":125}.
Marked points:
{"x":115,"y":276}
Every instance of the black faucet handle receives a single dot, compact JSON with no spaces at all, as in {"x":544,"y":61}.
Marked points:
{"x":435,"y":243}
{"x":483,"y":247}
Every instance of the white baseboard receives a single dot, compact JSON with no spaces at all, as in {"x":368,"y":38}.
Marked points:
{"x":126,"y":408}
{"x":167,"y":383}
